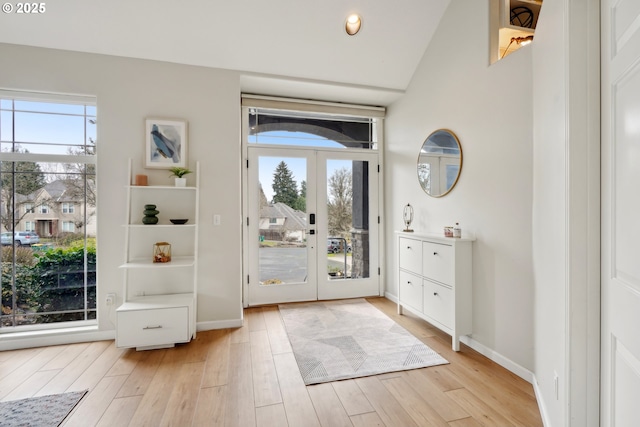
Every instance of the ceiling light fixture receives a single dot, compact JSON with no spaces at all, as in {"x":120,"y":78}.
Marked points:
{"x":354,"y":22}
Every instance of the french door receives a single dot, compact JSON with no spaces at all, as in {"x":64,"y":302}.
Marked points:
{"x":312,"y":225}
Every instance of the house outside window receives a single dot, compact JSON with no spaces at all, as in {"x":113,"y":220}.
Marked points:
{"x":48,"y":154}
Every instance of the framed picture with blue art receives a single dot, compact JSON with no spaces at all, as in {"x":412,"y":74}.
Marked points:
{"x":166,"y":144}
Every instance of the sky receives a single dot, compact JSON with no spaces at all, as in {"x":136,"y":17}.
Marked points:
{"x":40,"y":133}
{"x":297,"y":165}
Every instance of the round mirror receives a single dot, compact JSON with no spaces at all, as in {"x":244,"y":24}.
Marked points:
{"x":439,"y":163}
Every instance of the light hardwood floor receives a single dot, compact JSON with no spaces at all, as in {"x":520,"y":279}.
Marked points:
{"x":248,"y":377}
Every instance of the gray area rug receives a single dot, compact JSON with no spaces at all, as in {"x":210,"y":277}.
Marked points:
{"x":336,"y":340}
{"x":41,"y":411}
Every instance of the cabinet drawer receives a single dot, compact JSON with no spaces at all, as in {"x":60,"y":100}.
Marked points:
{"x":437,"y":262}
{"x":410,"y":251}
{"x":410,"y":290}
{"x":142,"y":328}
{"x":438,"y":303}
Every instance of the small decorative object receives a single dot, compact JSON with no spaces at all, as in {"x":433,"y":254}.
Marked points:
{"x":150,"y":214}
{"x":162,"y":252}
{"x":457,"y":231}
{"x":448,"y":232}
{"x":166,"y":144}
{"x":141,"y":180}
{"x":178,"y":221}
{"x":407,"y":216}
{"x":179,"y":173}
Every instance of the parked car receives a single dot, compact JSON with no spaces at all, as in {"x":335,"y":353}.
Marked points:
{"x":6,"y":238}
{"x":22,"y":238}
{"x":335,"y":245}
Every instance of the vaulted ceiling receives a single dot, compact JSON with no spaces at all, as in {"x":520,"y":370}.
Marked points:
{"x":300,"y":41}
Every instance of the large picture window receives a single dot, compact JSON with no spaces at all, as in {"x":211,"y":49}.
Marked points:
{"x":48,"y":205}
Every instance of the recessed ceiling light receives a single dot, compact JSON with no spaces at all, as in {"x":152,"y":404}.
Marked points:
{"x":354,"y":22}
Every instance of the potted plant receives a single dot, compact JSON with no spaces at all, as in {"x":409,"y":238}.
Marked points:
{"x":179,"y":173}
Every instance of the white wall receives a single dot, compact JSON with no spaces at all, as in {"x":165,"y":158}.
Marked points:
{"x":128,"y":91}
{"x":566,"y":211}
{"x":490,"y":110}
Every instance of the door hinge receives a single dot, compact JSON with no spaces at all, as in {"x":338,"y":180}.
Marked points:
{"x":378,"y":168}
{"x":247,"y":279}
{"x":378,"y":271}
{"x":247,"y":163}
{"x":247,"y":221}
{"x":378,"y":219}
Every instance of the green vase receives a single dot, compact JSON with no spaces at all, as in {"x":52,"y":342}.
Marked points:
{"x":150,"y":213}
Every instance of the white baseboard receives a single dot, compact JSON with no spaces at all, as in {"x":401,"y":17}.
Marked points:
{"x":505,"y":362}
{"x":54,"y":337}
{"x":541,"y":405}
{"x":218,"y":324}
{"x":391,"y":297}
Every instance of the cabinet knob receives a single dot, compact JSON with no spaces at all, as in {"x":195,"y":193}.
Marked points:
{"x":409,"y":282}
{"x":409,"y":247}
{"x":435,"y":253}
{"x":435,"y":294}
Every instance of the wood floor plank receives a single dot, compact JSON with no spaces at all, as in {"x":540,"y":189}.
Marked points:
{"x":297,"y":403}
{"x":184,"y":397}
{"x":31,"y":386}
{"x":266,"y":388}
{"x":371,"y":419}
{"x":328,"y":406}
{"x":478,"y":409}
{"x":465,"y":422}
{"x":120,"y":411}
{"x":417,"y":406}
{"x":98,"y":369}
{"x":198,"y":348}
{"x":352,"y":398}
{"x":216,"y":369}
{"x":154,"y":402}
{"x":419,"y":381}
{"x":210,"y":408}
{"x":387,"y":407}
{"x":271,"y":416}
{"x":27,"y":369}
{"x":241,"y":334}
{"x":68,"y":354}
{"x":240,"y":405}
{"x":67,"y":376}
{"x":95,"y":403}
{"x":277,"y":332}
{"x":126,"y":363}
{"x":140,"y":378}
{"x":256,"y":319}
{"x":16,"y":359}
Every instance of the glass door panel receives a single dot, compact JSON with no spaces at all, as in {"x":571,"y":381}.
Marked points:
{"x":281,"y":250}
{"x":349,"y":223}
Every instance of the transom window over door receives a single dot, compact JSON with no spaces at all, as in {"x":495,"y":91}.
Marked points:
{"x":311,"y":198}
{"x":48,"y":175}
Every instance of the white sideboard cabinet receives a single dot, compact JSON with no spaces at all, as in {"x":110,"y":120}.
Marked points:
{"x":434,"y":281}
{"x":159,"y":298}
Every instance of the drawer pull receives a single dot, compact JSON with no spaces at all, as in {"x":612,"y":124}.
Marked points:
{"x":153,"y":327}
